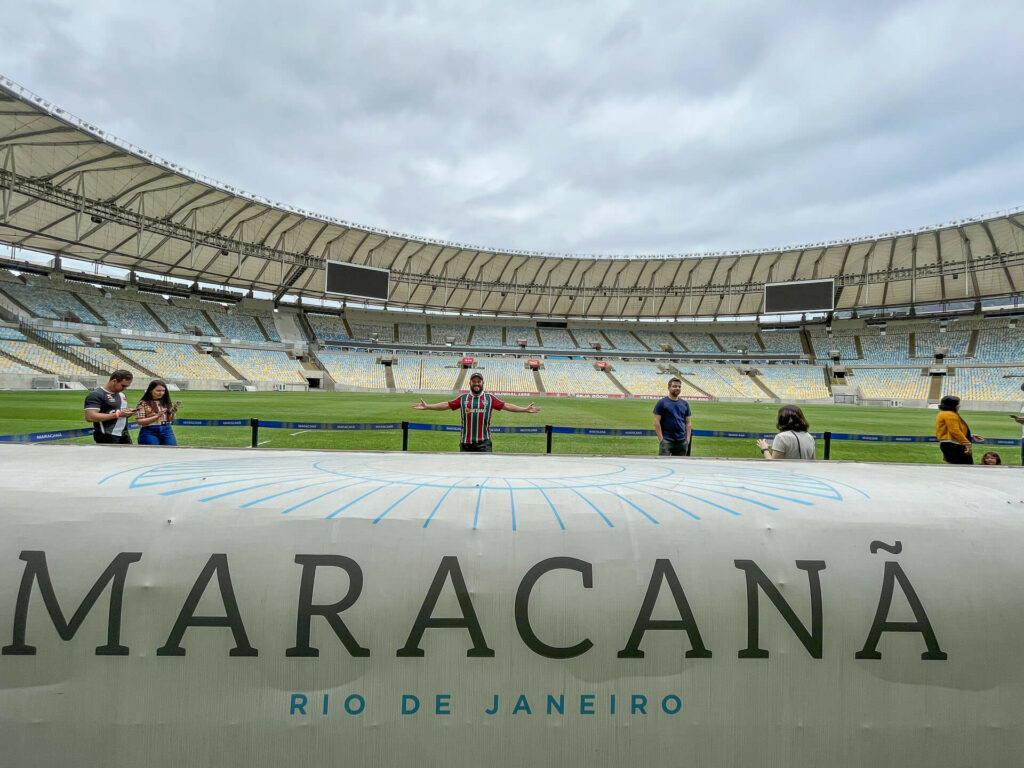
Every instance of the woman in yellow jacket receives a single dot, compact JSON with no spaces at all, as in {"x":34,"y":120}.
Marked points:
{"x":953,"y":434}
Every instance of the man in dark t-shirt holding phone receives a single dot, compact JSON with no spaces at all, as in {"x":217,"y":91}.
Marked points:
{"x":106,"y":408}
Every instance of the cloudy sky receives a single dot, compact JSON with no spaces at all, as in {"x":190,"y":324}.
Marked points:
{"x":592,"y":127}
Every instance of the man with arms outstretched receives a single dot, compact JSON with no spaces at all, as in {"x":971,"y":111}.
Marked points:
{"x":477,"y":407}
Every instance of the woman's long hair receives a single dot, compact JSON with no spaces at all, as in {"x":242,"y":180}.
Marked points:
{"x":165,"y":401}
{"x":791,"y":419}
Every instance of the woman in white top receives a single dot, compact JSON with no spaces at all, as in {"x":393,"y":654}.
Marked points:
{"x":793,"y":440}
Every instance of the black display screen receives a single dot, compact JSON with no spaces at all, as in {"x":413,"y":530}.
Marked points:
{"x":799,"y":296}
{"x":360,"y":282}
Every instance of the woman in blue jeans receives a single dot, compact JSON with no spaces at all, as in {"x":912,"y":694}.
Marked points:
{"x":155,"y":414}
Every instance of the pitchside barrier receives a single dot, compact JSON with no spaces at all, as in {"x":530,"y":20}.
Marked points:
{"x":548,"y":430}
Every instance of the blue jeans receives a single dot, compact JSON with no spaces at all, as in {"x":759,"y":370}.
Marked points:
{"x":161,"y":434}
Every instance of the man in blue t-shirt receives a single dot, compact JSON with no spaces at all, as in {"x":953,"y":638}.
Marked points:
{"x":672,"y":421}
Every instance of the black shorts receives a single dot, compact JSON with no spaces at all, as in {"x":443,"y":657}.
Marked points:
{"x":123,"y":439}
{"x":480,"y":446}
{"x":954,"y":453}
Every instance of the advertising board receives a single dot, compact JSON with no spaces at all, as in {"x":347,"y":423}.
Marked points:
{"x":169,"y":607}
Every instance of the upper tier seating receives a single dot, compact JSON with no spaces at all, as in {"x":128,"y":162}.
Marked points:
{"x":557,"y":338}
{"x":265,"y":365}
{"x":441,"y":332}
{"x":328,"y":328}
{"x":657,"y":339}
{"x":266,"y":319}
{"x":178,"y":318}
{"x":955,"y":341}
{"x":515,"y":332}
{"x":572,"y":378}
{"x":384,"y":332}
{"x":49,"y":303}
{"x":782,"y":342}
{"x":732,"y":341}
{"x":624,"y":341}
{"x":890,"y":383}
{"x":585,"y":337}
{"x":486,"y":336}
{"x":891,"y":349}
{"x":412,"y":333}
{"x":795,"y":382}
{"x":125,"y":313}
{"x":699,"y":343}
{"x":1000,"y":345}
{"x":11,"y":334}
{"x":354,"y":370}
{"x":823,"y":343}
{"x":233,"y":324}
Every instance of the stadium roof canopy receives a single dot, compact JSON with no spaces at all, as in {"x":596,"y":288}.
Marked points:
{"x":69,"y":188}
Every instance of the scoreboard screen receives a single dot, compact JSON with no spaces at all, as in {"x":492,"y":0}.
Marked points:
{"x":356,"y":281}
{"x":799,"y":296}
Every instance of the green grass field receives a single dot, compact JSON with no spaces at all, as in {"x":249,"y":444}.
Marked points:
{"x":22,"y":412}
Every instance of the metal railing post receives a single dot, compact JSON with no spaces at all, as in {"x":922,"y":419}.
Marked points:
{"x":547,"y":431}
{"x":255,"y":424}
{"x":828,"y":445}
{"x":405,"y":435}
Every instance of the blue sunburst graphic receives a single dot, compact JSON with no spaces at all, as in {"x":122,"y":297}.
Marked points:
{"x":523,"y":490}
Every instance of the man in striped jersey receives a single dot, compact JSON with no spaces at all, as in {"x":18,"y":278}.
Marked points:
{"x":477,"y":407}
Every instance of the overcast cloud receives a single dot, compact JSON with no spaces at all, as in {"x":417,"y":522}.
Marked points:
{"x":594,"y":127}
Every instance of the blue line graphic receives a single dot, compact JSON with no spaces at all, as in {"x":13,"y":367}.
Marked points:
{"x":593,"y":507}
{"x":317,"y":498}
{"x":550,"y":504}
{"x":360,"y":498}
{"x":512,"y":502}
{"x":353,"y":478}
{"x":634,"y":506}
{"x":437,"y":506}
{"x":395,"y":504}
{"x":684,"y":510}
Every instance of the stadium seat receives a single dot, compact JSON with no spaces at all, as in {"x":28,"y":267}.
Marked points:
{"x":576,"y":378}
{"x":890,"y":383}
{"x":354,"y":370}
{"x":266,"y":366}
{"x":328,"y":328}
{"x":795,"y":382}
{"x":624,"y":341}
